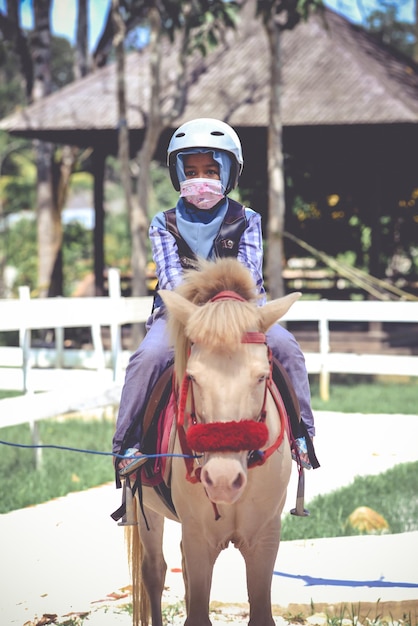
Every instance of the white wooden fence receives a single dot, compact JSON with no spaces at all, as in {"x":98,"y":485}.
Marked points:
{"x":83,"y":391}
{"x":25,"y":314}
{"x":326,"y":362}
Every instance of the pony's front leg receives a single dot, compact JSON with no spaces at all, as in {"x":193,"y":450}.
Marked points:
{"x":259,"y":561}
{"x":198,"y":562}
{"x":153,"y":566}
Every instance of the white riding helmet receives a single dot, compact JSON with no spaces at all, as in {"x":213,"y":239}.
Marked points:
{"x":206,"y":133}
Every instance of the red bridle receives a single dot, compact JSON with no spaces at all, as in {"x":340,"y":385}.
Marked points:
{"x":248,"y":435}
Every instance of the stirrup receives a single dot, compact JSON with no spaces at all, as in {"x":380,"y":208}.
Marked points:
{"x":299,"y":509}
{"x":136,"y":462}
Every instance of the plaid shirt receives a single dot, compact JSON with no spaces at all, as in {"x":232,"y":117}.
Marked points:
{"x":168,"y":266}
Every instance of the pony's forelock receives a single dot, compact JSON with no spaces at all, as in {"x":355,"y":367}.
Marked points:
{"x":221,"y":325}
{"x":213,"y":277}
{"x":218,"y":324}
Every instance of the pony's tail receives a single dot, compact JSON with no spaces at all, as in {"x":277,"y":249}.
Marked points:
{"x":141,"y":612}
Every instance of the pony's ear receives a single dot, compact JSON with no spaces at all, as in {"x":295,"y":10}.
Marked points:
{"x":274,"y":310}
{"x":177,"y":306}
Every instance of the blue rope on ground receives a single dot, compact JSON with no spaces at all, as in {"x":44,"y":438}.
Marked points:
{"x":311,"y":581}
{"x":118,"y":456}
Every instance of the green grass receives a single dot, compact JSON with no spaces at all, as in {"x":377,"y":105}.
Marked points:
{"x":359,"y":394}
{"x":62,"y":471}
{"x":7,"y":393}
{"x":392,"y":494}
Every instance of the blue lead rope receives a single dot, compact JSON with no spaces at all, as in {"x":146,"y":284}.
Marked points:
{"x":70,"y":449}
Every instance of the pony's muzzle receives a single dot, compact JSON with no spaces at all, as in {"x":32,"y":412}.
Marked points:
{"x":224,"y":480}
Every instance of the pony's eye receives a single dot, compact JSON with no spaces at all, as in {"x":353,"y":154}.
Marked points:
{"x":262,"y":378}
{"x":191,"y":378}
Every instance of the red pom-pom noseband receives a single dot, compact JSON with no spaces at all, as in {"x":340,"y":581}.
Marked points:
{"x":227,"y":436}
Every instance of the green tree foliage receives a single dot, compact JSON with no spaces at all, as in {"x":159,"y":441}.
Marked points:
{"x":22,"y":252}
{"x":162,"y":195}
{"x":20,"y":235}
{"x":62,"y":62}
{"x":385,"y":24}
{"x":17,"y":159}
{"x":118,"y":242}
{"x":19,"y":194}
{"x":117,"y":232}
{"x":17,"y":175}
{"x":77,"y":253}
{"x":207,"y":19}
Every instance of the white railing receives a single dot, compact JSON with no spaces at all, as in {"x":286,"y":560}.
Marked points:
{"x":325,"y":362}
{"x":25,"y":314}
{"x":85,"y":390}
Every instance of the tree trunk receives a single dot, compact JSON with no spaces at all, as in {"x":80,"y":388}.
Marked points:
{"x":139,"y":216}
{"x":276,"y":193}
{"x":12,"y":31}
{"x":415,"y":48}
{"x":49,"y":217}
{"x":98,"y":177}
{"x":123,"y":136}
{"x":82,"y":53}
{"x":64,"y":167}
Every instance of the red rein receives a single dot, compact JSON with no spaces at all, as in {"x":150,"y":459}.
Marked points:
{"x":229,"y":436}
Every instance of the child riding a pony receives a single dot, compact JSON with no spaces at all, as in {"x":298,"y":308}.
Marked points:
{"x":205,"y":161}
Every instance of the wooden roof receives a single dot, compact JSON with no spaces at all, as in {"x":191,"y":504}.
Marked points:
{"x":334,"y":73}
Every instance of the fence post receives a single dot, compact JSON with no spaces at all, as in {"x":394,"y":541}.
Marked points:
{"x":24,"y":343}
{"x":115,"y":331}
{"x":99,"y":355}
{"x":59,"y":347}
{"x":24,"y":339}
{"x":324,"y":347}
{"x":36,"y":440}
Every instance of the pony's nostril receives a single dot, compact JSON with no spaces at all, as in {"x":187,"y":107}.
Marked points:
{"x":206,"y":479}
{"x":238,"y":482}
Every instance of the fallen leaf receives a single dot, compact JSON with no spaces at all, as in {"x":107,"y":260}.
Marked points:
{"x":47,"y":618}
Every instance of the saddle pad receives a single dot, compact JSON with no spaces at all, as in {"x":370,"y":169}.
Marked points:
{"x":159,"y":438}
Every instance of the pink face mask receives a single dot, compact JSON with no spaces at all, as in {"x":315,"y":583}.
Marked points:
{"x":203,"y":193}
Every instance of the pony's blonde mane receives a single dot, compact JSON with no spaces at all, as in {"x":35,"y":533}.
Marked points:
{"x":221,"y":324}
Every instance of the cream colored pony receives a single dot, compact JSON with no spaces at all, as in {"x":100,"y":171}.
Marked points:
{"x":224,"y":372}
